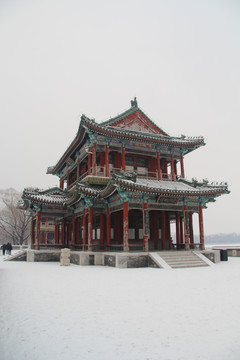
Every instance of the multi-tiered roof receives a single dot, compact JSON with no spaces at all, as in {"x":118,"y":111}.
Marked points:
{"x":131,"y":127}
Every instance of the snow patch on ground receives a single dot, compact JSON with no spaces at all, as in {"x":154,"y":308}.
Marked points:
{"x":102,"y":313}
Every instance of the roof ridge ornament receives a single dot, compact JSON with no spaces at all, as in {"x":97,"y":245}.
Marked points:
{"x":134,"y":102}
{"x":131,"y":176}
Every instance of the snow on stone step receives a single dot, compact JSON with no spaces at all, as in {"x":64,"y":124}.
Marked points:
{"x":16,"y":255}
{"x":159,"y":260}
{"x":181,"y":259}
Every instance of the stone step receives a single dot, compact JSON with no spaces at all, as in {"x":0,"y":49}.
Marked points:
{"x":178,"y":257}
{"x":182,"y":259}
{"x":190,"y":261}
{"x":191,"y":255}
{"x":16,"y":256}
{"x":187,"y":266}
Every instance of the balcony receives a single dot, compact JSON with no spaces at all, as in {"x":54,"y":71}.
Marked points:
{"x":98,"y":177}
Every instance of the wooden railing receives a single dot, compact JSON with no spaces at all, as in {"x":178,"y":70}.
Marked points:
{"x":100,"y":171}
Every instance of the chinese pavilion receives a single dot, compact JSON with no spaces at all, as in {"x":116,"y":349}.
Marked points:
{"x":122,"y":184}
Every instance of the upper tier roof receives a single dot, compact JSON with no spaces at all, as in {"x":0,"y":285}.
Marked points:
{"x":159,"y":139}
{"x":131,"y":125}
{"x":134,"y":119}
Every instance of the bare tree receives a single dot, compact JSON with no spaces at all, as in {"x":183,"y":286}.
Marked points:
{"x":14,"y":223}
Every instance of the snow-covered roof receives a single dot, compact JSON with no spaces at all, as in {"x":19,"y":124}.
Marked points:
{"x":191,"y":142}
{"x":126,"y":182}
{"x":50,"y":196}
{"x":172,"y":187}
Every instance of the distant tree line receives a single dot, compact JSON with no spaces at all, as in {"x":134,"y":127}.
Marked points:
{"x":222,"y":239}
{"x":14,"y":223}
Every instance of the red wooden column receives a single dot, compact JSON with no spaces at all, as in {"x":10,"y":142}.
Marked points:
{"x":33,"y":232}
{"x":94,"y":159}
{"x":106,"y":160}
{"x":90,"y":227}
{"x":108,"y":227}
{"x":182,"y":167}
{"x":123,"y":159}
{"x":186,"y":227}
{"x":125,"y":227}
{"x":163,"y":218}
{"x":61,"y":183}
{"x":73,"y":231}
{"x":159,"y":173}
{"x":102,"y":231}
{"x":173,"y":176}
{"x":201,"y":231}
{"x":84,"y":234}
{"x":38,"y":230}
{"x":145,"y":226}
{"x":177,"y":230}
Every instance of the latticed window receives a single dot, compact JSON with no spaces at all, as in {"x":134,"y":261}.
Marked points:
{"x":129,"y":160}
{"x":142,"y":162}
{"x":50,"y":221}
{"x":50,"y":236}
{"x":132,"y":221}
{"x":97,"y":221}
{"x":111,"y":157}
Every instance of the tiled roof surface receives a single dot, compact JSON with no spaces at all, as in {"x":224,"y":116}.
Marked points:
{"x":50,"y":196}
{"x":181,"y":187}
{"x":119,"y":132}
{"x":174,"y":187}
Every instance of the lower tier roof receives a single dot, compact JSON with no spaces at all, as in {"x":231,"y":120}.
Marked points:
{"x":124,"y":184}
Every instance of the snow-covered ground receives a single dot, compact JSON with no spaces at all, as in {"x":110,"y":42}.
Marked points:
{"x":49,"y":312}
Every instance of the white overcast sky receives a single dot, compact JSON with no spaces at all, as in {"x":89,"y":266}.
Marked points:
{"x":180,"y":58}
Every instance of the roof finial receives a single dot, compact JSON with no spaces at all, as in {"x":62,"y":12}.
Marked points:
{"x":134,"y":102}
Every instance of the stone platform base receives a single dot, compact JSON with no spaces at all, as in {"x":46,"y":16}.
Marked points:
{"x":86,"y":258}
{"x":121,"y":260}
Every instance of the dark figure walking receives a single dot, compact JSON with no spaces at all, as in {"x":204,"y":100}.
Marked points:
{"x":3,"y":247}
{"x":9,"y":248}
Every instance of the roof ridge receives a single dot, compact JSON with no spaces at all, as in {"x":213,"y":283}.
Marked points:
{"x":127,"y":112}
{"x":167,"y":139}
{"x":134,"y":107}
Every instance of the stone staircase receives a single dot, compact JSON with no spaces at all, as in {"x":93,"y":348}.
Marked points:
{"x":182,"y":259}
{"x":17,"y":256}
